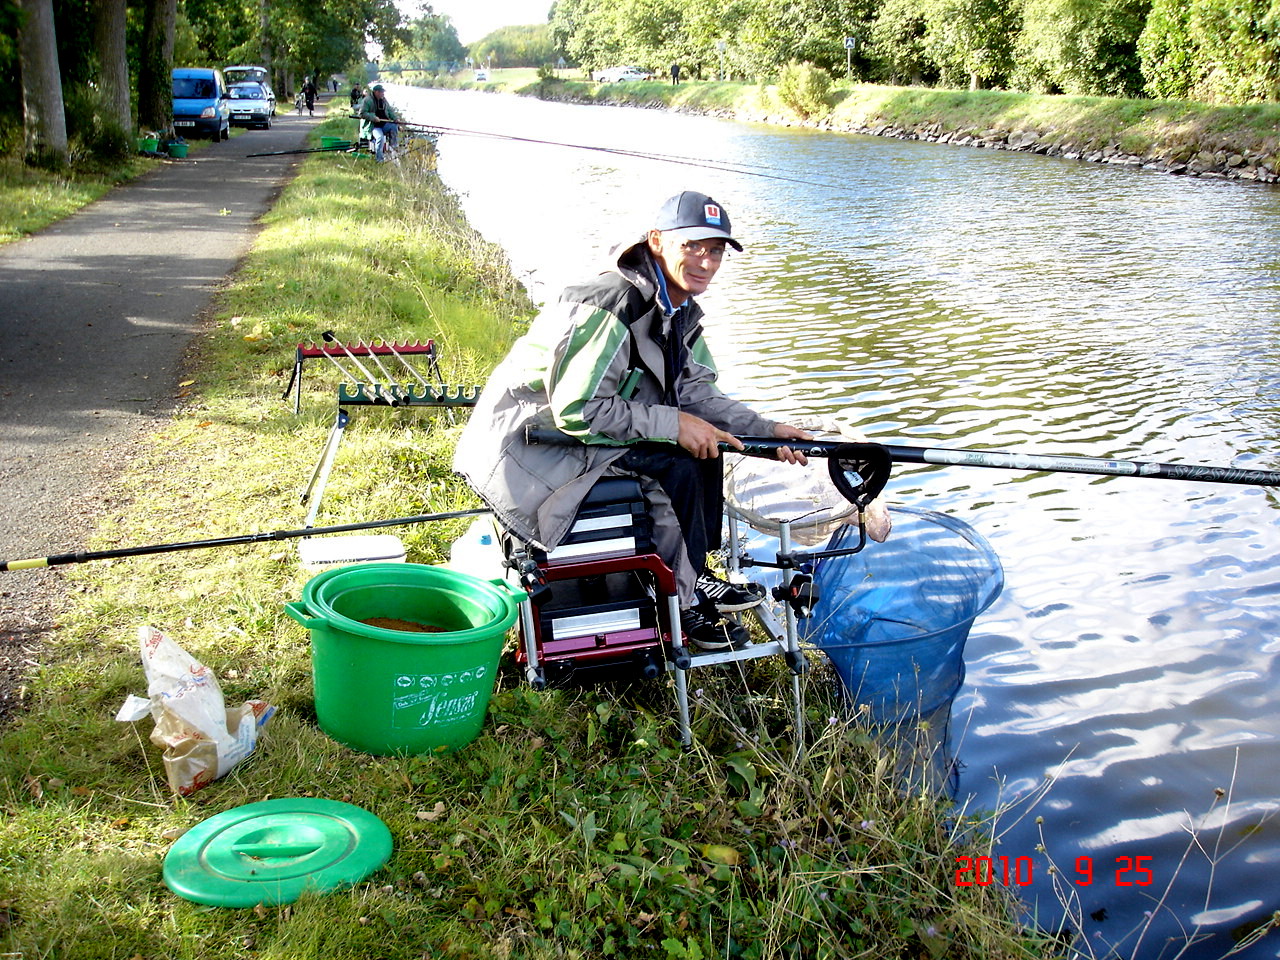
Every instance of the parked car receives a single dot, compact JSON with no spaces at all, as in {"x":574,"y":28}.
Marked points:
{"x":201,"y":103}
{"x":621,"y":75}
{"x":482,"y":76}
{"x":243,"y":74}
{"x":249,"y":105}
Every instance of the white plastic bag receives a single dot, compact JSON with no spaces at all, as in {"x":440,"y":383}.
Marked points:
{"x":765,"y":492}
{"x":203,"y":740}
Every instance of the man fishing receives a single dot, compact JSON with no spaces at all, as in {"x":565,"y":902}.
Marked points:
{"x":379,"y":121}
{"x":621,"y":365}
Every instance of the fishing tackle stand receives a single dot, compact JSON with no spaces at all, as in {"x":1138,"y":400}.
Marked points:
{"x":362,"y":387}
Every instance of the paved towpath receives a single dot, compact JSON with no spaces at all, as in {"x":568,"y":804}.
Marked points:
{"x":96,"y":313}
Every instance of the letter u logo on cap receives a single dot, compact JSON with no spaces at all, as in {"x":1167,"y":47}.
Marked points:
{"x":711,"y":212}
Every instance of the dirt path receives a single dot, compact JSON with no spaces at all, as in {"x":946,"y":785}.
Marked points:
{"x":96,"y":314}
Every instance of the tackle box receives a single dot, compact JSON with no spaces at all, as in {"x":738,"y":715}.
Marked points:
{"x":613,"y":521}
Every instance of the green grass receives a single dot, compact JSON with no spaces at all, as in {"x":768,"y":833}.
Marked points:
{"x":31,"y":198}
{"x":574,"y":826}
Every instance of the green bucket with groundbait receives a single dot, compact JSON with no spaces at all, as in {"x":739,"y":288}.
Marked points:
{"x":404,"y":655}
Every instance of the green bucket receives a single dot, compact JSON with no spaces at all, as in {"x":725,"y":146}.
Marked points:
{"x":148,"y":144}
{"x":178,"y":150}
{"x":334,"y":143}
{"x":391,"y":691}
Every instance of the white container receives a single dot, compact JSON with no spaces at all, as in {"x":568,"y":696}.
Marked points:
{"x":326,"y":553}
{"x":478,"y":551}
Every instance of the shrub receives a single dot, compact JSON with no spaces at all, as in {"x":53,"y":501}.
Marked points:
{"x":806,"y":89}
{"x":92,"y":133}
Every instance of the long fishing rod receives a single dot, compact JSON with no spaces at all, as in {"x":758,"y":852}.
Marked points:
{"x":768,"y":446}
{"x":757,"y":171}
{"x":342,"y":148}
{"x":85,"y":556}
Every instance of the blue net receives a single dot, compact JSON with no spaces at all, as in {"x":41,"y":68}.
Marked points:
{"x":894,"y":618}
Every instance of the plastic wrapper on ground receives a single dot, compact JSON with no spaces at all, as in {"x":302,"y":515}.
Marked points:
{"x":203,"y":739}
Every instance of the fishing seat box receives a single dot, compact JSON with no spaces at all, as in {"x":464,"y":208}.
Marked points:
{"x":612,"y":521}
{"x":598,"y":620}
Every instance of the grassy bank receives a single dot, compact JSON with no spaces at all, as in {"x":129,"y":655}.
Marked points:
{"x":573,"y":827}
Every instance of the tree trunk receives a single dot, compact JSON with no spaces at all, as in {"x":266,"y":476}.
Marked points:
{"x":113,"y":63}
{"x":264,"y":24}
{"x":155,"y":71}
{"x":44,"y":121}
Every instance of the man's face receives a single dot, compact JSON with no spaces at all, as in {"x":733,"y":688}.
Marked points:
{"x":689,"y":265}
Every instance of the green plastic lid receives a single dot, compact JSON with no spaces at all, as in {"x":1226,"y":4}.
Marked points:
{"x":270,"y":852}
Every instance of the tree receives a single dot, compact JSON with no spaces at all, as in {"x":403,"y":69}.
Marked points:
{"x":971,"y":40}
{"x":44,"y":120}
{"x":319,"y":37}
{"x":1237,"y":44}
{"x":113,"y":61}
{"x":1082,"y":46}
{"x":430,"y":39}
{"x":517,"y":46}
{"x":224,"y":28}
{"x":813,"y":31}
{"x":1213,"y":50}
{"x":585,"y":31}
{"x":897,"y":42}
{"x":1165,"y":50}
{"x":155,"y":65}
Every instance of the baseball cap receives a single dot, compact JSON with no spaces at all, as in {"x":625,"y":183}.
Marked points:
{"x":376,"y":86}
{"x":695,"y":216}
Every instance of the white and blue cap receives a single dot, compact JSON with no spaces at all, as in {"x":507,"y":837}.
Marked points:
{"x":695,"y":216}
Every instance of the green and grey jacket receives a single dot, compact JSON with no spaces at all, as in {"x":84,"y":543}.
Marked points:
{"x":594,"y":367}
{"x":368,"y":114}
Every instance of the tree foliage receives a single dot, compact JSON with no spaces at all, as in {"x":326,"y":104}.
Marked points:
{"x":429,"y":39}
{"x":1081,"y":47}
{"x":519,"y":46}
{"x":102,"y":58}
{"x":1223,"y":50}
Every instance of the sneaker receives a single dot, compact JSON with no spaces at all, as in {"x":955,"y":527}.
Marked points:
{"x":729,"y":597}
{"x":710,"y":633}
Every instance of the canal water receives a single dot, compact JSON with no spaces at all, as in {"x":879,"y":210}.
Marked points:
{"x":950,"y":296}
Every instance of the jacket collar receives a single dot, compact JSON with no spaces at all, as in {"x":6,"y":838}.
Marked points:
{"x":636,"y":263}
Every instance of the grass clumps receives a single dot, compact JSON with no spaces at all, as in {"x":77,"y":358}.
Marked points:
{"x":574,"y":826}
{"x":32,"y":198}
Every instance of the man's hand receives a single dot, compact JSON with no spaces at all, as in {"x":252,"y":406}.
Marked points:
{"x":703,"y":439}
{"x":784,"y":431}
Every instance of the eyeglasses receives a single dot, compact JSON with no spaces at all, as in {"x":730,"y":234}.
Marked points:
{"x":697,"y":250}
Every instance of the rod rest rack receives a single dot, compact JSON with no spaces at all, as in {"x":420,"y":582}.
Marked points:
{"x":339,"y":353}
{"x":407,"y":395}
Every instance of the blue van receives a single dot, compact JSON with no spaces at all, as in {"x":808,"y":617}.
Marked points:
{"x":200,"y":103}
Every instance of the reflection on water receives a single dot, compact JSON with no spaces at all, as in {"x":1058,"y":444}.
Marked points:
{"x":944,"y":295}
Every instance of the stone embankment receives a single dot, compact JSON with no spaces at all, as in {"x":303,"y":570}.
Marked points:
{"x":1187,"y":160}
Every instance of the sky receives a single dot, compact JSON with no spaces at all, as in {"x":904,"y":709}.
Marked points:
{"x":474,"y":19}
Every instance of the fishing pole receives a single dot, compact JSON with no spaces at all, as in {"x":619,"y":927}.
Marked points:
{"x":953,"y":457}
{"x":85,"y":556}
{"x":343,"y":148}
{"x":757,"y":171}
